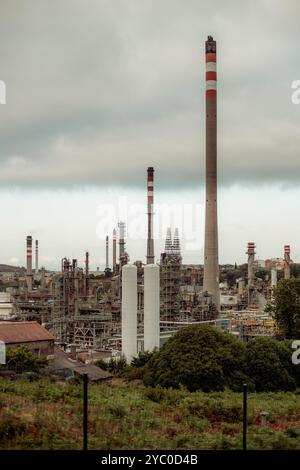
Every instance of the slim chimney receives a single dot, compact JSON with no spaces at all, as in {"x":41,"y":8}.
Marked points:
{"x":287,"y":261}
{"x":114,"y":250}
{"x":251,"y":255}
{"x":106,"y":252}
{"x":150,"y":196}
{"x":211,"y":257}
{"x":29,"y":262}
{"x":122,"y":253}
{"x":86,"y":284}
{"x":36,"y":256}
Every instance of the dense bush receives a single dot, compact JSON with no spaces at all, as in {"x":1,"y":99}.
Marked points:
{"x":117,"y":366}
{"x":269,"y":364}
{"x":142,"y":359}
{"x":198,"y":357}
{"x":204,"y":358}
{"x":23,"y":360}
{"x":285,"y":308}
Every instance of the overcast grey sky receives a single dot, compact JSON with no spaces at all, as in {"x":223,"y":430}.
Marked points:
{"x":98,"y":90}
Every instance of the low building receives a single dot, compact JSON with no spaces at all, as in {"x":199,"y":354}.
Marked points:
{"x":64,"y":366}
{"x":28,"y":333}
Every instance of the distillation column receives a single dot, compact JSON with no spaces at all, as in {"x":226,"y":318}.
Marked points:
{"x":129,"y":311}
{"x":151,"y":307}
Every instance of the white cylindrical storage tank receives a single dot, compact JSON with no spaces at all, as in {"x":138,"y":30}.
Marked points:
{"x":129,"y":311}
{"x":273,"y":277}
{"x":151,"y":307}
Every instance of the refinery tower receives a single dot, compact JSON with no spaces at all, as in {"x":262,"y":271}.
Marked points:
{"x":211,"y":257}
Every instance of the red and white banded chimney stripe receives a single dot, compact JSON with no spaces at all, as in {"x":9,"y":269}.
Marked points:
{"x":211,"y":68}
{"x":287,"y":249}
{"x":150,"y":188}
{"x":29,"y":254}
{"x":150,"y":199}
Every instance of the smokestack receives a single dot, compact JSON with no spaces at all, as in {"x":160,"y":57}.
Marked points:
{"x":129,"y":311}
{"x":86,"y":285}
{"x":106,"y":253}
{"x":114,"y":250}
{"x":29,"y":262}
{"x":43,"y":280}
{"x":123,"y":257}
{"x":211,"y":257}
{"x":87,"y":256}
{"x":251,"y":255}
{"x":150,"y":198}
{"x":151,"y":307}
{"x":287,"y":262}
{"x":36,"y":256}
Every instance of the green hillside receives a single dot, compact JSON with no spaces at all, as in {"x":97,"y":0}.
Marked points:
{"x":127,"y":415}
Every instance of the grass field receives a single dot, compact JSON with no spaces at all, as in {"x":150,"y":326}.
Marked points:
{"x":47,"y":415}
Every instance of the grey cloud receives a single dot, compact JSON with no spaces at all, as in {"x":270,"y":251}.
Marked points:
{"x":99,"y":90}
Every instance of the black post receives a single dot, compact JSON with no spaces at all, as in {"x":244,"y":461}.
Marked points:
{"x":245,"y":389}
{"x":85,"y":411}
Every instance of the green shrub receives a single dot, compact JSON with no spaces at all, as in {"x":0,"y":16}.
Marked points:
{"x":10,"y":425}
{"x":269,"y":365}
{"x":102,"y":364}
{"x":142,"y":359}
{"x":156,"y":394}
{"x":23,"y":360}
{"x":117,"y":411}
{"x":200,"y":358}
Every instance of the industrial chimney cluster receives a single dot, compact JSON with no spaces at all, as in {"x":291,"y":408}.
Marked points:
{"x":129,"y":307}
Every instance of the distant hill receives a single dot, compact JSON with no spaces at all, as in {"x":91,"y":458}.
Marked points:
{"x":10,"y":269}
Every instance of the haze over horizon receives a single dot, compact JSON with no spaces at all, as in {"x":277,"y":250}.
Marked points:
{"x":95,"y":97}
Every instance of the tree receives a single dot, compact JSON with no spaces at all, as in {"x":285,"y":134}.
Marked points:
{"x":285,"y":307}
{"x":22,"y":360}
{"x":269,"y":365}
{"x":198,"y":357}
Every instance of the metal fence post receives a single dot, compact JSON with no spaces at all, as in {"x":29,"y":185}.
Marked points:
{"x":85,"y":411}
{"x":245,"y":390}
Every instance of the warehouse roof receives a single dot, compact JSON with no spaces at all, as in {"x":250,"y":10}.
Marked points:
{"x":62,"y":361}
{"x":23,"y":332}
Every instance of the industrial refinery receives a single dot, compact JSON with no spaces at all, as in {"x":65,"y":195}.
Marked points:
{"x":136,"y":305}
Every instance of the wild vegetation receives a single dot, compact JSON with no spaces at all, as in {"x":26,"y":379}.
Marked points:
{"x":204,"y":358}
{"x":190,"y":399}
{"x":285,"y":307}
{"x":22,"y":360}
{"x":127,"y":415}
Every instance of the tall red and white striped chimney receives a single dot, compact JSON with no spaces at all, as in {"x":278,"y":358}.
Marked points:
{"x":150,"y":199}
{"x":211,"y":256}
{"x":29,"y":262}
{"x":114,"y":250}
